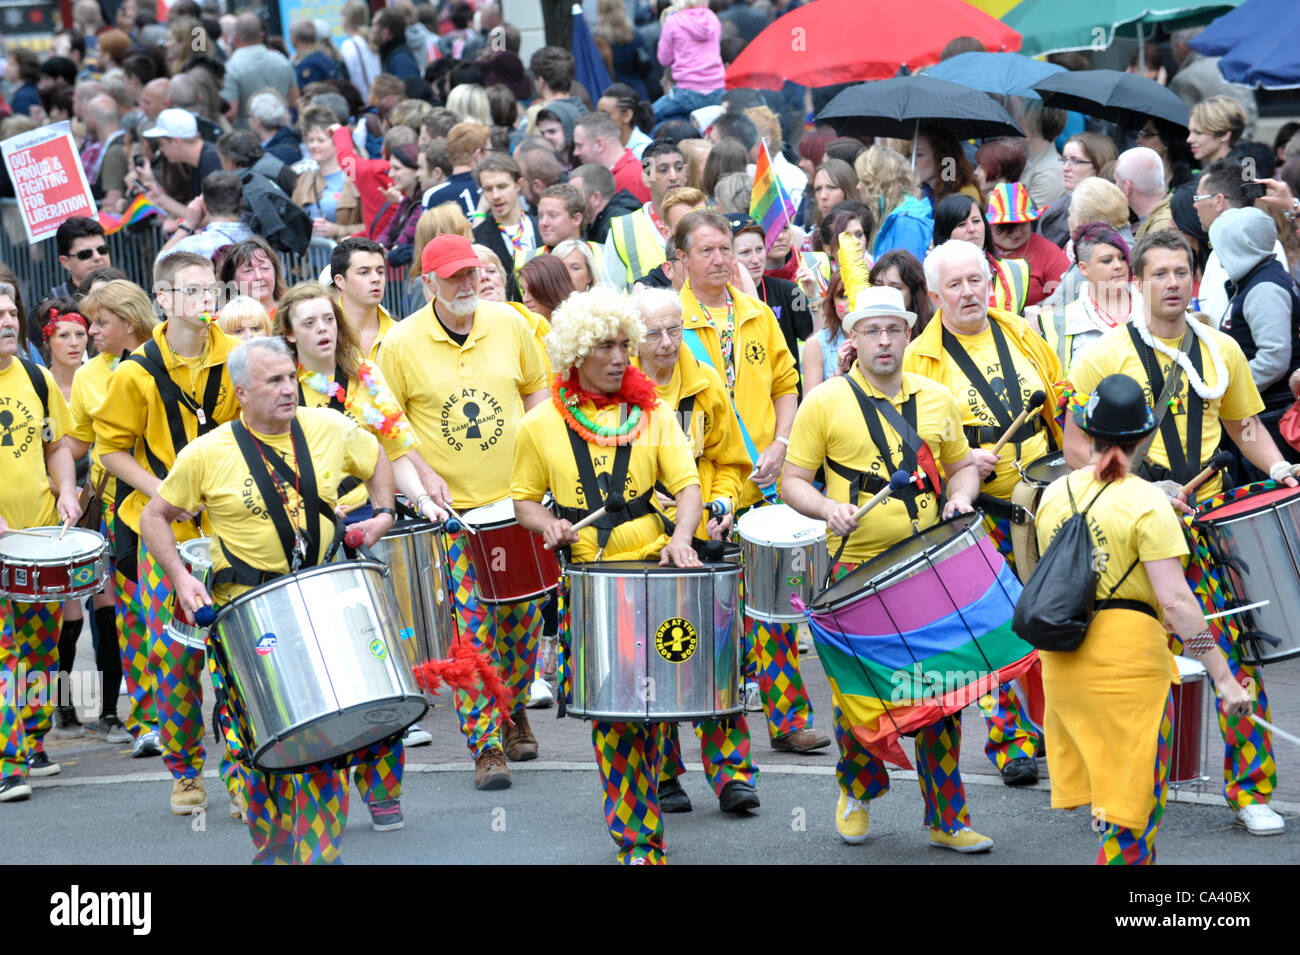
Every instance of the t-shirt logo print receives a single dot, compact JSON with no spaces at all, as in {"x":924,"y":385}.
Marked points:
{"x":755,"y":352}
{"x":471,"y":415}
{"x":7,"y":423}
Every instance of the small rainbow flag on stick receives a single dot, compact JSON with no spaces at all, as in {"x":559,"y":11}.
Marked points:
{"x":139,"y":208}
{"x":769,"y":206}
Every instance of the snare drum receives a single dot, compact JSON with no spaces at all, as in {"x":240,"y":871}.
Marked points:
{"x":651,"y":644}
{"x":413,"y":551}
{"x":196,"y":556}
{"x":785,"y":556}
{"x":1253,"y":534}
{"x":48,"y":570}
{"x":1024,"y":536}
{"x":510,"y":564}
{"x":313,"y":666}
{"x":1189,"y":722}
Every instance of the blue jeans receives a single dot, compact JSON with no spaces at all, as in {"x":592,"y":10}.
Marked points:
{"x":677,"y":103}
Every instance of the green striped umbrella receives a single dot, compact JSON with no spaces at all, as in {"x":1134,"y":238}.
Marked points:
{"x":1053,"y":26}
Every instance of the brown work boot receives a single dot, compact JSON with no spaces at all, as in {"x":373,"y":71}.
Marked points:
{"x":490,"y":770}
{"x":518,"y":741}
{"x":801,"y":741}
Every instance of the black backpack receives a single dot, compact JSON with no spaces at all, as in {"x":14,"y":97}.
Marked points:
{"x":1059,"y":601}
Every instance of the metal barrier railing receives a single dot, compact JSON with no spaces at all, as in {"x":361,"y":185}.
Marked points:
{"x":38,"y":270}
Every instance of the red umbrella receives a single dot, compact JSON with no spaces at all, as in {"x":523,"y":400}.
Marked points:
{"x":849,"y":41}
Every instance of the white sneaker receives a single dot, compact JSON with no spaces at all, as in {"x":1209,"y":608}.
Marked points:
{"x":415,"y":736}
{"x":753,"y":699}
{"x":1261,"y":820}
{"x":540,"y":695}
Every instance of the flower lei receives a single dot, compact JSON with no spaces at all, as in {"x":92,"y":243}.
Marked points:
{"x":1070,"y":399}
{"x":638,"y":391}
{"x":381,"y":412}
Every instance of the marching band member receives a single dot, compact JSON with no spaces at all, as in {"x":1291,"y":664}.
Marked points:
{"x":121,"y":320}
{"x":1210,"y":391}
{"x":972,"y":350}
{"x":842,"y":425}
{"x":600,"y":402}
{"x":1110,"y":709}
{"x":292,"y":817}
{"x":695,"y":393}
{"x":332,"y":372}
{"x":465,"y":370}
{"x":740,"y":337}
{"x":161,"y":397}
{"x":34,"y":420}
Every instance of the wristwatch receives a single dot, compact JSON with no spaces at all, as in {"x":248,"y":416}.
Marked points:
{"x":384,"y":510}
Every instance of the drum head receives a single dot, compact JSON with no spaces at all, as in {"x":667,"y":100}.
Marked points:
{"x":196,"y":552}
{"x":1189,"y":670}
{"x":498,"y":512}
{"x":48,"y":549}
{"x":779,"y":524}
{"x":1248,"y":504}
{"x":878,"y":571}
{"x":1046,"y":469}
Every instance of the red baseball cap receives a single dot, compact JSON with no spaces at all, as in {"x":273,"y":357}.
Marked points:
{"x":447,"y":254}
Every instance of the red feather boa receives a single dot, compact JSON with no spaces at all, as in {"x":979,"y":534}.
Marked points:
{"x":637,"y":390}
{"x":466,"y":669}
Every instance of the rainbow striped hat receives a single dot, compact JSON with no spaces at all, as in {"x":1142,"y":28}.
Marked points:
{"x":1009,"y":203}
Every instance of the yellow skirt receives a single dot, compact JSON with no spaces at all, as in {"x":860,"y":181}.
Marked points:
{"x":1104,"y":703}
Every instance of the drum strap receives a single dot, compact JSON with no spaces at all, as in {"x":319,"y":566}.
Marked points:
{"x":173,"y":399}
{"x":126,"y":542}
{"x":1168,"y":426}
{"x":39,"y":385}
{"x":1004,"y":413}
{"x":633,"y":509}
{"x":310,"y":550}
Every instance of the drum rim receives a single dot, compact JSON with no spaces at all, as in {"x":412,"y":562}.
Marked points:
{"x":413,"y":525}
{"x":976,"y":518}
{"x":675,"y":717}
{"x":262,"y":589}
{"x":1206,"y":516}
{"x":1024,"y":471}
{"x":478,"y":526}
{"x":298,"y":767}
{"x":651,"y":568}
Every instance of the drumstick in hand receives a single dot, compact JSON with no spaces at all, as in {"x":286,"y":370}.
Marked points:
{"x":1035,"y":402}
{"x":897,"y":481}
{"x":613,"y":505}
{"x":64,"y":530}
{"x":1217,"y":463}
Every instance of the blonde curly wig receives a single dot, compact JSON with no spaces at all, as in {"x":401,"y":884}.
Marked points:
{"x":585,"y":319}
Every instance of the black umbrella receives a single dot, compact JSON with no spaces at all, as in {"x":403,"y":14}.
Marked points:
{"x":895,"y":108}
{"x":1124,"y":98}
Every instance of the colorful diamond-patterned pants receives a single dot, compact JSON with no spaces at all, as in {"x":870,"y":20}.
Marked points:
{"x":774,"y":656}
{"x":508,"y":632}
{"x":29,"y":658}
{"x":724,"y":751}
{"x":1249,"y":770}
{"x":1012,"y":733}
{"x":296,"y":818}
{"x":132,"y":636}
{"x":1120,"y":846}
{"x":378,"y":771}
{"x":630,"y":759}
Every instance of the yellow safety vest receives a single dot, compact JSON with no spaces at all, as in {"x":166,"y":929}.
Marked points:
{"x":639,"y":245}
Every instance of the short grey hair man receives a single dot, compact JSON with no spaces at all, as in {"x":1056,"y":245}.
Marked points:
{"x":237,"y":362}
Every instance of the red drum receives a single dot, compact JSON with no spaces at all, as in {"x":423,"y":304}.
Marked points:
{"x":1189,"y":722}
{"x":510,"y":564}
{"x":37,"y":567}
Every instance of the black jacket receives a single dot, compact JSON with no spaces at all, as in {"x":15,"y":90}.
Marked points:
{"x":284,"y":146}
{"x":487,"y":233}
{"x":620,"y":204}
{"x":790,"y":306}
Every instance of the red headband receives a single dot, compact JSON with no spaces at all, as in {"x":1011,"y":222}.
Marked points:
{"x":52,"y":325}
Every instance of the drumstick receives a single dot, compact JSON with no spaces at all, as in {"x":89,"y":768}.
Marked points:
{"x":15,"y":530}
{"x":1265,"y":724}
{"x":64,"y":530}
{"x":613,"y":504}
{"x":1235,"y":610}
{"x":1035,"y":402}
{"x":719,"y":506}
{"x":457,"y":520}
{"x":1217,"y":463}
{"x":897,"y":481}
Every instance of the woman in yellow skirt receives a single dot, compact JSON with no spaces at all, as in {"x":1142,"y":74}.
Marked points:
{"x":1109,"y":705}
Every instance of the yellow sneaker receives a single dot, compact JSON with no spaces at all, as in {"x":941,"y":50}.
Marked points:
{"x":964,"y":839}
{"x":237,"y":807}
{"x":188,"y":796}
{"x":851,"y":819}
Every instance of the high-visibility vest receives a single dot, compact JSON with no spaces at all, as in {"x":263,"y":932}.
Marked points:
{"x":638,"y":243}
{"x":1010,"y":285}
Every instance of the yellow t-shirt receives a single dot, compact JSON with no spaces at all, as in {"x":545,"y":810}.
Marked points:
{"x":829,"y":424}
{"x":89,"y":385}
{"x":1114,"y":353}
{"x":25,"y":496}
{"x":132,"y":416}
{"x":983,"y":352}
{"x":386,"y":325}
{"x":544,"y":460}
{"x":1131,"y":519}
{"x":465,"y":402}
{"x":211,"y":472}
{"x":358,"y":392}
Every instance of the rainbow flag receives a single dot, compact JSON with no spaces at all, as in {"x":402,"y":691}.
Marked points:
{"x":139,"y":208}
{"x":769,"y":206}
{"x":900,"y":658}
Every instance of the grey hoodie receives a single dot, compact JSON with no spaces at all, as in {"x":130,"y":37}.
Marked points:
{"x":1243,"y":238}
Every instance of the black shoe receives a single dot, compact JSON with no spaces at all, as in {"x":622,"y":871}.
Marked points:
{"x":1020,"y":772}
{"x":738,"y":796}
{"x":673,"y":798}
{"x":40,"y":764}
{"x":14,"y":789}
{"x":66,"y":724}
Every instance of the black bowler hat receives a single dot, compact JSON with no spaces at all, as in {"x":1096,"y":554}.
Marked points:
{"x":1117,"y":411}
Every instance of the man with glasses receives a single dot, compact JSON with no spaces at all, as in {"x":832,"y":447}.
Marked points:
{"x":83,"y":247}
{"x":832,"y":428}
{"x":161,"y":397}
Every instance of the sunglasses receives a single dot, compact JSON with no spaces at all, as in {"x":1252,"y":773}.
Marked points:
{"x":84,"y":254}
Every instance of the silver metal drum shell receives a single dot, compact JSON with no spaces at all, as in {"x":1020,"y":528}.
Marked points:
{"x":773,"y":572}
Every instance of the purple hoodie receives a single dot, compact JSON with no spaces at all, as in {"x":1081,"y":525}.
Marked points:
{"x":689,"y":46}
